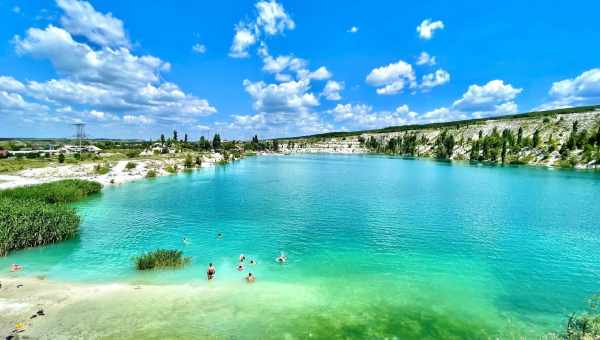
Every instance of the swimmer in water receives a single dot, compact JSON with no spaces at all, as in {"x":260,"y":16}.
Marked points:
{"x":219,"y":236}
{"x":240,"y":267}
{"x":211,"y":271}
{"x":281,"y":258}
{"x":185,"y":240}
{"x":242,"y":257}
{"x":15,"y":267}
{"x":252,"y":262}
{"x":250,"y":278}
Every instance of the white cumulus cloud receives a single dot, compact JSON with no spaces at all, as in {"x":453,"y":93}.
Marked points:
{"x":428,"y":27}
{"x":392,"y":78}
{"x":426,"y":59}
{"x":271,"y":19}
{"x":493,"y":98}
{"x":10,"y":84}
{"x":581,"y":90}
{"x":332,"y":90}
{"x":431,"y":80}
{"x":199,"y":48}
{"x":99,"y":78}
{"x":81,"y":19}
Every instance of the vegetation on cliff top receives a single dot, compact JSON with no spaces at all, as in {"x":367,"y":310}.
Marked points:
{"x":451,"y":124}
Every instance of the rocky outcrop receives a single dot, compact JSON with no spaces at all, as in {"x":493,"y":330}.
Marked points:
{"x":553,"y":133}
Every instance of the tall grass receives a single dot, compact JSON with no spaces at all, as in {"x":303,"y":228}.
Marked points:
{"x":30,"y":222}
{"x":37,"y":215}
{"x":65,"y":191}
{"x":160,"y":258}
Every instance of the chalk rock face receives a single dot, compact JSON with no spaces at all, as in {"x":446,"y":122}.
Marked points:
{"x":552,"y":129}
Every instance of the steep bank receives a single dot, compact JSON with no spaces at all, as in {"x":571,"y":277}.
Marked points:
{"x":565,"y":138}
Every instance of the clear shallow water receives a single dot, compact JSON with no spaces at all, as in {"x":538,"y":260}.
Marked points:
{"x":377,"y":247}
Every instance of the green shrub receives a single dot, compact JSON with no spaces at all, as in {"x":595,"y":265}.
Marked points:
{"x":151,"y":173}
{"x":170,"y":169}
{"x":160,"y":258}
{"x":32,"y":222}
{"x":130,"y":165}
{"x":132,"y":153}
{"x":585,"y":325}
{"x":102,"y":169}
{"x":64,"y":191}
{"x":188,"y":163}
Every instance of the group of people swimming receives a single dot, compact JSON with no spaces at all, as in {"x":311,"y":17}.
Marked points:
{"x":211,"y":271}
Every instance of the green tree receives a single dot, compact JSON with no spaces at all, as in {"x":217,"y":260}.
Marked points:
{"x":444,"y":145}
{"x":185,"y":139}
{"x":536,"y":138}
{"x":162,"y":139}
{"x":175,"y":135}
{"x":216,"y":143}
{"x":474,"y":154}
{"x":520,"y":136}
{"x":275,"y":145}
{"x":61,"y":158}
{"x":581,"y":139}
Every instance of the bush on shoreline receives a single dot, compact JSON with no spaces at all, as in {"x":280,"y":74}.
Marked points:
{"x":151,"y":173}
{"x":65,"y":191}
{"x":130,"y":165}
{"x":160,"y":258}
{"x":585,"y":325}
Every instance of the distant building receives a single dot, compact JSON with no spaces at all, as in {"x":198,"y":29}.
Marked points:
{"x":76,"y":149}
{"x":157,"y":148}
{"x":3,"y":153}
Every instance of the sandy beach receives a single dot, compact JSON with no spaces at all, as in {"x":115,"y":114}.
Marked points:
{"x":84,"y":311}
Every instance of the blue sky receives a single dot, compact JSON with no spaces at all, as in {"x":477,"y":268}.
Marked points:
{"x":133,"y":69}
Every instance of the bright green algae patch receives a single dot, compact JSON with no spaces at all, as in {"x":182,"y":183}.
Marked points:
{"x":267,"y":311}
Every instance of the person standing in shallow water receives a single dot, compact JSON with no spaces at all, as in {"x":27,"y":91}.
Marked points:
{"x":211,"y":271}
{"x":250,"y":278}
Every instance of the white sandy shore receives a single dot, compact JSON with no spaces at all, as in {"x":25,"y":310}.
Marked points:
{"x":118,"y":173}
{"x":21,"y":298}
{"x":121,"y":310}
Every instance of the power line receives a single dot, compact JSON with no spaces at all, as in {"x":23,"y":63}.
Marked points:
{"x":79,"y":134}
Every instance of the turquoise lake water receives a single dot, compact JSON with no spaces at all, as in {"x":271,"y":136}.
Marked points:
{"x":376,"y":246}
